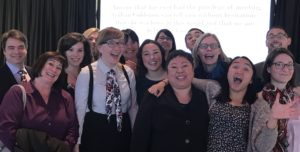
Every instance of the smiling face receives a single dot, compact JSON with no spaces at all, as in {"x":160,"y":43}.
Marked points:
{"x":209,"y":51}
{"x":111,"y":51}
{"x":152,"y":57}
{"x":281,"y":74}
{"x":51,"y":71}
{"x":75,"y":54}
{"x":277,"y":38}
{"x":15,"y":51}
{"x":239,"y":74}
{"x":165,"y":41}
{"x":180,"y":73}
{"x":131,"y":50}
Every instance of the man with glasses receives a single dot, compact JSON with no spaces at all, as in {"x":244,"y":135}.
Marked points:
{"x":277,"y":37}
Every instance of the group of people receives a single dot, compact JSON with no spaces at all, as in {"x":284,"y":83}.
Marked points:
{"x":103,"y":91}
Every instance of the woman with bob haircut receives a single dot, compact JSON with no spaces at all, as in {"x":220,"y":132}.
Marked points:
{"x":48,"y":109}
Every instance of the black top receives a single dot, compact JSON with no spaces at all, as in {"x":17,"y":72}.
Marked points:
{"x":163,"y":124}
{"x":142,"y":85}
{"x":65,"y":85}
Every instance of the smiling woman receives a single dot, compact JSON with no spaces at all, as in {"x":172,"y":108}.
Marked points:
{"x":76,"y":49}
{"x":49,"y":110}
{"x":176,"y":121}
{"x":107,"y":117}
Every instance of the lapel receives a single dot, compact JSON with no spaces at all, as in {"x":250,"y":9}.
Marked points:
{"x":7,"y":79}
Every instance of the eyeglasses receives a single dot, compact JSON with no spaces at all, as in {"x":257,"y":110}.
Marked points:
{"x":162,"y":38}
{"x":114,"y":43}
{"x":212,"y":46}
{"x":279,"y":36}
{"x":280,"y":65}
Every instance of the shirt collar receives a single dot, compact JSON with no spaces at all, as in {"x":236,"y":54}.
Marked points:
{"x":104,"y":68}
{"x":13,"y":68}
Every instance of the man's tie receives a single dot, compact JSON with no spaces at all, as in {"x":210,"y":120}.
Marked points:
{"x":113,"y":96}
{"x":22,"y":74}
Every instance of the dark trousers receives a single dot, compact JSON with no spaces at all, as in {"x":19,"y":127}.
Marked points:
{"x":100,"y":135}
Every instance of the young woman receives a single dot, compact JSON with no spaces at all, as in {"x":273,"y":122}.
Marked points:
{"x":105,"y":122}
{"x":151,"y":67}
{"x":210,"y":60}
{"x":48,"y":108}
{"x":132,"y":45}
{"x":91,"y":35}
{"x":75,"y":48}
{"x":279,"y":75}
{"x":166,"y":39}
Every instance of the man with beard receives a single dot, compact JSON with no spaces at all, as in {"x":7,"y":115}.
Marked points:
{"x":277,"y":37}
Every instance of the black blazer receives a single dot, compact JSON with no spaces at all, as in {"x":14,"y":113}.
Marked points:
{"x":7,"y":79}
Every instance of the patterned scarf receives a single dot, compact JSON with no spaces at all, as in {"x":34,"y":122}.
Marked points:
{"x":286,"y":95}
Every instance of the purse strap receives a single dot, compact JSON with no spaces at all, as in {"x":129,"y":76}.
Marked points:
{"x":23,"y":95}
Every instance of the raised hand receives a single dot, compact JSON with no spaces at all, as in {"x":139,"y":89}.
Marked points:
{"x":285,"y":111}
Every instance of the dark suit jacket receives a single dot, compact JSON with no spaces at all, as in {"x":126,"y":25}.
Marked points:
{"x":7,"y":79}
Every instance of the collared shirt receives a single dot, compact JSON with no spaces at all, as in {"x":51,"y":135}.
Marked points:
{"x":57,"y":118}
{"x":14,"y":69}
{"x":128,"y":97}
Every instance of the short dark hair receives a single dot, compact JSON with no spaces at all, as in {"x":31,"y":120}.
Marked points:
{"x":277,"y":27}
{"x":193,"y":29}
{"x":250,"y":95}
{"x":141,"y":69}
{"x":70,"y":39}
{"x":179,"y":53}
{"x":41,"y":61}
{"x":129,"y":33}
{"x":269,"y":62}
{"x":16,"y":34}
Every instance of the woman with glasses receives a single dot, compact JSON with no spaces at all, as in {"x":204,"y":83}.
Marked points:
{"x":279,"y":75}
{"x":210,"y":60}
{"x":105,"y":121}
{"x":166,"y":39}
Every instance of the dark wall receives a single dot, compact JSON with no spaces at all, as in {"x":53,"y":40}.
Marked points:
{"x":45,"y":21}
{"x":286,"y":13}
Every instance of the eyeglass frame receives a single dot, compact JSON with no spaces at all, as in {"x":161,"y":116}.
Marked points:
{"x":281,"y":65}
{"x":164,"y":38}
{"x":213,"y":46}
{"x":112,"y":43}
{"x":279,"y":36}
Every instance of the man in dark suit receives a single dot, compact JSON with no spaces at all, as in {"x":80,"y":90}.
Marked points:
{"x":14,"y":45}
{"x":277,"y":37}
